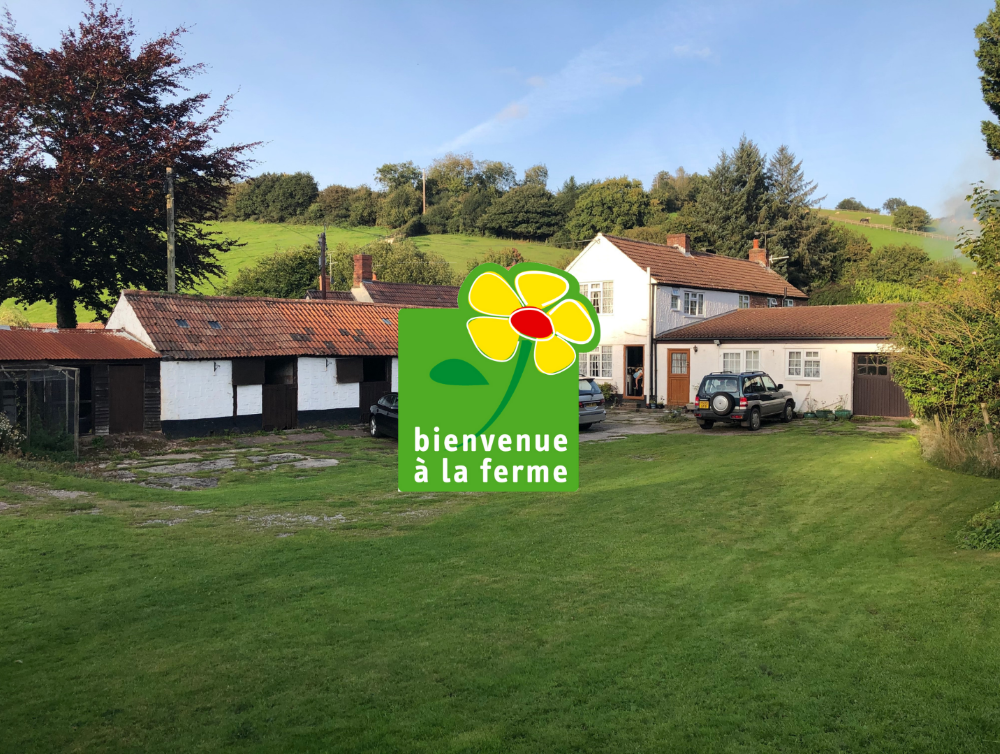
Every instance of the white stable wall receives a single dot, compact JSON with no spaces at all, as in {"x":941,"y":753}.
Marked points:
{"x":195,"y":389}
{"x":249,"y":400}
{"x":319,"y":389}
{"x":834,"y":387}
{"x":394,"y":379}
{"x":123,"y":317}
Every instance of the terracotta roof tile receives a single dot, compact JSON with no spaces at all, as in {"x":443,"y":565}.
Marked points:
{"x":263,"y":326}
{"x":670,"y":266}
{"x":314,"y":294}
{"x":71,"y":345}
{"x":80,"y":326}
{"x":412,"y":295}
{"x":867,"y":321}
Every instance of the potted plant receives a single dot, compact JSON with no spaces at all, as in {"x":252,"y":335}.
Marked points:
{"x":842,"y":413}
{"x":824,"y":413}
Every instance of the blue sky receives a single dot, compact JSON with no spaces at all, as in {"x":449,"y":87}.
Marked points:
{"x":878,"y":99}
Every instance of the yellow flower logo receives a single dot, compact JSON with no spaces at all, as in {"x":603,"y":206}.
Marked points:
{"x":537,"y":311}
{"x":537,"y":315}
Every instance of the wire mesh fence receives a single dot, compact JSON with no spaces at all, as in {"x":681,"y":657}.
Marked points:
{"x":43,"y":403}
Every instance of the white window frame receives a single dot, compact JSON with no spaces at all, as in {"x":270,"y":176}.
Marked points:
{"x":675,"y":300}
{"x":696,"y":298}
{"x":809,"y":358}
{"x":597,"y":364}
{"x":744,"y":301}
{"x":601,"y":294}
{"x":728,"y":356}
{"x":772,"y":302}
{"x":751,"y":360}
{"x":789,"y":302}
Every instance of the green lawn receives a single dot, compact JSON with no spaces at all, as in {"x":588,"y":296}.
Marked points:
{"x":262,"y":239}
{"x":773,"y":592}
{"x":936,"y":248}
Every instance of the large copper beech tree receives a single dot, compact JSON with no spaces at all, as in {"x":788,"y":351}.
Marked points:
{"x":87,"y":131}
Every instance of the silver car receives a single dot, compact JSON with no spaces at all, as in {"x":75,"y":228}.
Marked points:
{"x":591,"y":403}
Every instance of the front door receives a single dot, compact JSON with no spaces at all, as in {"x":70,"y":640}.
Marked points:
{"x":125,"y":388}
{"x":678,"y":377}
{"x":279,"y":407}
{"x":635,"y":373}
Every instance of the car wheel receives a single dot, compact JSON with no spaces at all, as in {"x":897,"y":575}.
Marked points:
{"x":722,"y":403}
{"x":788,"y":414}
{"x":374,"y":428}
{"x":753,"y":423}
{"x":706,"y":424}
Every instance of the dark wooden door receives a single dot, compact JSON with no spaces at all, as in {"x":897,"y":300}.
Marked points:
{"x":125,"y":391}
{"x":875,"y":394}
{"x":678,"y":377}
{"x":279,"y":407}
{"x":370,"y":393}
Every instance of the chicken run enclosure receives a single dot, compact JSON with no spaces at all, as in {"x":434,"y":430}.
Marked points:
{"x":43,"y":403}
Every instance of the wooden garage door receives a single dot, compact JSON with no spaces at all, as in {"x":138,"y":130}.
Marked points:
{"x":280,"y":407}
{"x":875,"y":394}
{"x":125,"y":385}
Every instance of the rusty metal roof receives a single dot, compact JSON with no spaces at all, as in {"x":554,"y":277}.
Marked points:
{"x":223,"y":327}
{"x":70,"y":345}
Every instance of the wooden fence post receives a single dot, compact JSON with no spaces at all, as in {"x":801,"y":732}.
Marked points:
{"x":989,"y":430}
{"x":937,"y":423}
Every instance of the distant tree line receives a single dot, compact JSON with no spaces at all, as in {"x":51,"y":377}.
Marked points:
{"x":906,"y":216}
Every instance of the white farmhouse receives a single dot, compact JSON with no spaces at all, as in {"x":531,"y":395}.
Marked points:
{"x":641,"y":290}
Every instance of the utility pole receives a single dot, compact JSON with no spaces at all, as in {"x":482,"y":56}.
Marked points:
{"x":324,"y":281}
{"x":423,"y":174}
{"x":171,"y":239}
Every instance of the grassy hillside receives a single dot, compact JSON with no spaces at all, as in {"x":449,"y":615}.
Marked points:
{"x":937,"y":248}
{"x":263,"y":239}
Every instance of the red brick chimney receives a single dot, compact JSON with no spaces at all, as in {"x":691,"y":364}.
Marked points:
{"x":680,"y":239}
{"x":362,"y":268}
{"x":759,"y":255}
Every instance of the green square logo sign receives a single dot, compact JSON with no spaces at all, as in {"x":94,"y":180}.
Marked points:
{"x":489,"y":391}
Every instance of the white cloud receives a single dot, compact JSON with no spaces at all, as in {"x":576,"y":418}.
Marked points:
{"x":595,"y":75}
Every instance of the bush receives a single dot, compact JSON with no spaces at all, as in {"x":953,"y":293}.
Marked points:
{"x":271,"y":197}
{"x":436,"y":218}
{"x":609,"y":390}
{"x":911,"y":218}
{"x":284,"y":274}
{"x":523,"y":212}
{"x":398,"y":262}
{"x":851,"y":205}
{"x":609,"y":207}
{"x":506,"y":257}
{"x":13,"y":317}
{"x":982,"y":532}
{"x":11,"y":438}
{"x":953,"y":446}
{"x":363,"y":207}
{"x":398,"y":207}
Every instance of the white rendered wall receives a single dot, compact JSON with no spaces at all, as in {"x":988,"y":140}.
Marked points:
{"x":716,"y":303}
{"x":123,"y":318}
{"x":195,"y":389}
{"x":628,"y":324}
{"x":249,"y":400}
{"x":833,"y":388}
{"x":318,"y":387}
{"x":395,"y":375}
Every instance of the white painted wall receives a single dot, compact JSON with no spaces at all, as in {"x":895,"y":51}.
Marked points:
{"x":834,"y":387}
{"x":249,"y":400}
{"x":196,"y":389}
{"x":394,"y":379}
{"x":628,"y":324}
{"x":123,"y":318}
{"x":318,"y":387}
{"x":716,"y":303}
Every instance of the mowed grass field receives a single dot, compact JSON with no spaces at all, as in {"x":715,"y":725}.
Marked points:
{"x":263,"y":238}
{"x":689,"y":597}
{"x":936,"y":248}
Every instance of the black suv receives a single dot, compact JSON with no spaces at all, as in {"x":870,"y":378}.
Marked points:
{"x":745,"y":398}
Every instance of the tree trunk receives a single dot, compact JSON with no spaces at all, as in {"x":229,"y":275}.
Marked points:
{"x":65,"y":309}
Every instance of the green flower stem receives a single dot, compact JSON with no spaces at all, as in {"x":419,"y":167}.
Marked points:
{"x":523,"y":354}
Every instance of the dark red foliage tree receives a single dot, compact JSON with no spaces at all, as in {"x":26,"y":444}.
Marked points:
{"x":87,"y":131}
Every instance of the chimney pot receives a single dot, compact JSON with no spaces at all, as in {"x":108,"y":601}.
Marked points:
{"x":756,"y":243}
{"x":362,"y":268}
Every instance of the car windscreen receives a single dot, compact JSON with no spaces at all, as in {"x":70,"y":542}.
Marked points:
{"x":713,"y":385}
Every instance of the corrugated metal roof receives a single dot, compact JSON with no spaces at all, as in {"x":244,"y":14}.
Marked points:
{"x":263,"y":326}
{"x":852,"y":321}
{"x":670,"y":266}
{"x":70,"y":345}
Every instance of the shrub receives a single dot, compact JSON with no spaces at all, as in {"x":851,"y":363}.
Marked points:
{"x":271,"y":197}
{"x":284,"y":274}
{"x":398,"y":207}
{"x":363,"y":207}
{"x":951,"y":446}
{"x":852,"y":205}
{"x":523,"y":212}
{"x":436,"y":218}
{"x":11,"y":437}
{"x":13,"y":317}
{"x":982,"y":532}
{"x":608,"y":390}
{"x":506,"y":257}
{"x":911,"y":218}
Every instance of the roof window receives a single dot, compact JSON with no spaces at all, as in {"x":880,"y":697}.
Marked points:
{"x":182,"y":323}
{"x":386,"y":321}
{"x":214,"y":324}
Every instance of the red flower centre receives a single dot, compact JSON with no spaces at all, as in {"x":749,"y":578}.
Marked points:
{"x":531,"y":323}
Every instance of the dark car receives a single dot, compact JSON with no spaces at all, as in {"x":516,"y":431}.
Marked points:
{"x":385,"y":416}
{"x":591,"y":403}
{"x":745,"y":398}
